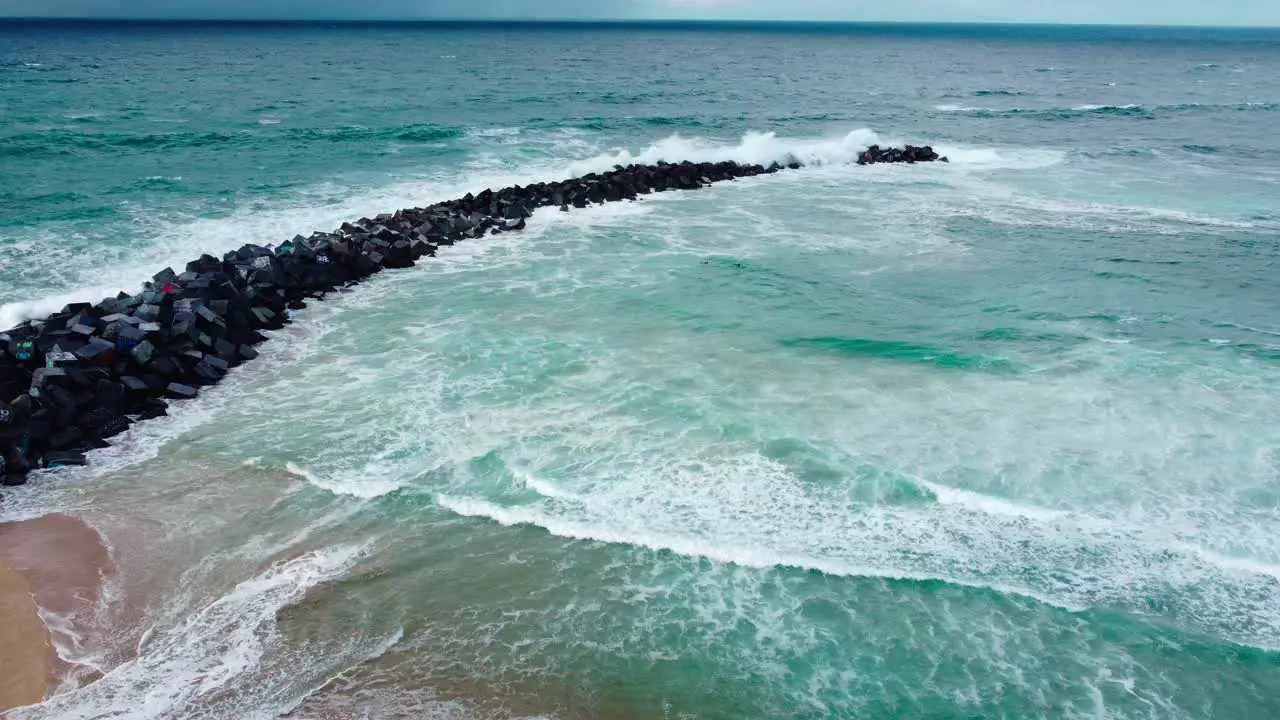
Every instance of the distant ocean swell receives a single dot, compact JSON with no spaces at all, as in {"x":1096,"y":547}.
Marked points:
{"x":65,"y":142}
{"x":1126,"y":111}
{"x":269,"y":133}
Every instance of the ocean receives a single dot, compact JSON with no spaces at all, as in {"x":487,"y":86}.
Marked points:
{"x":997,"y":438}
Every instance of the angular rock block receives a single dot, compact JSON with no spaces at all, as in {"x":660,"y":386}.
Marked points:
{"x":64,"y":459}
{"x":114,"y":428}
{"x":143,"y":353}
{"x":69,"y":437}
{"x":178,"y":391}
{"x":207,"y":373}
{"x":153,"y":409}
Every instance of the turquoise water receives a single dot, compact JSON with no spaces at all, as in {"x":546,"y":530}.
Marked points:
{"x":989,"y":439}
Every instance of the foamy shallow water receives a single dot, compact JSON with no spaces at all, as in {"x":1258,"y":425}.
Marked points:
{"x":995,"y":437}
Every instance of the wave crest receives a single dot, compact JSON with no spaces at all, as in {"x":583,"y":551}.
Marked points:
{"x":1097,"y":110}
{"x":48,"y":143}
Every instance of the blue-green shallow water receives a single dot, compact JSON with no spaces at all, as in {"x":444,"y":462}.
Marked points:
{"x":990,"y":439}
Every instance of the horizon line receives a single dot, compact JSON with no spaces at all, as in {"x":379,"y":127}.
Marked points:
{"x":618,"y":21}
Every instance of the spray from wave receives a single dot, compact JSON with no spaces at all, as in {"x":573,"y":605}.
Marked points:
{"x":754,"y":148}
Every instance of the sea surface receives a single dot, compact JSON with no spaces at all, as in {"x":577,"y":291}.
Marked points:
{"x":992,"y":439}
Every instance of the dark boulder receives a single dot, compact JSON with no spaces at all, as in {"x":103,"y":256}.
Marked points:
{"x":153,"y":408}
{"x":143,"y":353}
{"x":66,"y":438}
{"x":516,"y":211}
{"x":114,"y":428}
{"x":65,"y":458}
{"x":178,"y":391}
{"x":134,"y":385}
{"x":111,"y":395}
{"x":206,"y":372}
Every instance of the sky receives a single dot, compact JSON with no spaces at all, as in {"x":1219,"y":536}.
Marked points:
{"x":1146,"y":12}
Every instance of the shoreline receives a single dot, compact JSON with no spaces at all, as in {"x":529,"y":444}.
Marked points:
{"x":50,"y":564}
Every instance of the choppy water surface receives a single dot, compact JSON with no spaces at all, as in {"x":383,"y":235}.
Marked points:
{"x":997,"y":438}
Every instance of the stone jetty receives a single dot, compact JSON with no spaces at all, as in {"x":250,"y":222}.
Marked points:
{"x":906,"y":154}
{"x":71,"y":382}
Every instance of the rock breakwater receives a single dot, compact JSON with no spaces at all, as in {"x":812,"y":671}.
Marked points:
{"x":74,"y":380}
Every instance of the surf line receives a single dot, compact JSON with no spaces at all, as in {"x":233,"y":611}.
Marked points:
{"x":81,"y":376}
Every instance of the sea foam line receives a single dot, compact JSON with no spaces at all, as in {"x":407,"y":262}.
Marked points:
{"x":696,"y":547}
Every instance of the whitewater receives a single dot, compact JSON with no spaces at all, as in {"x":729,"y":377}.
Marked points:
{"x":989,"y":438}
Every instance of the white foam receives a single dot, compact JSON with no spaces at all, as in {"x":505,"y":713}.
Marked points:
{"x":755,"y":148}
{"x":72,"y":646}
{"x":381,"y":649}
{"x":368,"y":485}
{"x":758,"y":521}
{"x":211,"y":649}
{"x":13,"y":313}
{"x":1016,"y":206}
{"x":1006,"y":158}
{"x":540,"y":486}
{"x":1252,"y":329}
{"x":1088,"y":107}
{"x":747,"y":556}
{"x":1130,"y":527}
{"x":1244,"y":565}
{"x":496,"y":132}
{"x":988,"y":504}
{"x":1093,"y":108}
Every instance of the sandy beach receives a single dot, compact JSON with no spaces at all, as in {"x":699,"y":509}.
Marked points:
{"x":55,"y":562}
{"x":24,"y":643}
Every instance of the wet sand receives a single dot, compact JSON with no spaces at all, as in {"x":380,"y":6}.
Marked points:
{"x":55,"y":563}
{"x":24,"y":643}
